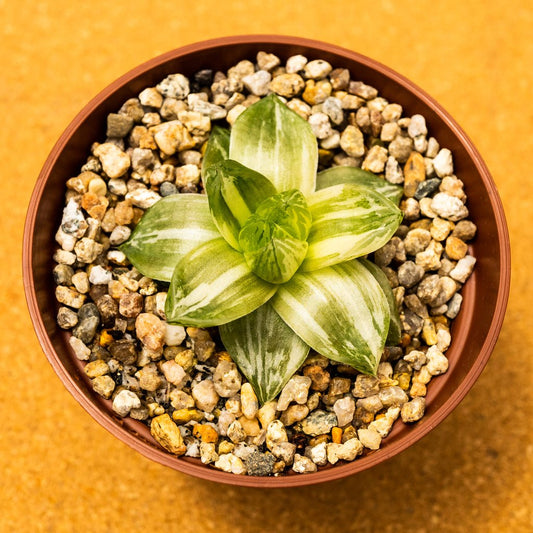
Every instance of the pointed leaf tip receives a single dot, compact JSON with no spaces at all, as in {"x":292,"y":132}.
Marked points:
{"x":273,"y":140}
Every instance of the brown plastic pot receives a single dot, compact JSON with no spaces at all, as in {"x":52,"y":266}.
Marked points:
{"x":485,"y":294}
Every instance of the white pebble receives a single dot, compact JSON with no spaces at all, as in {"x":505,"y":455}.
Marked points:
{"x":463,"y":268}
{"x":125,"y":401}
{"x":174,"y":335}
{"x":100,"y":276}
{"x":443,"y":163}
{"x":303,"y":465}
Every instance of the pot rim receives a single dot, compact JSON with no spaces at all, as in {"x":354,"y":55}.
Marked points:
{"x":203,"y":471}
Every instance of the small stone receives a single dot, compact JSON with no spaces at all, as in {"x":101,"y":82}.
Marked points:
{"x":186,"y":414}
{"x":455,"y":248}
{"x":400,"y":148}
{"x":427,"y":188}
{"x":463,"y":269}
{"x":96,"y":368}
{"x":392,"y":396}
{"x":440,"y":228}
{"x":340,"y":79}
{"x":352,"y":141}
{"x":416,"y":358}
{"x":115,"y":162}
{"x":118,"y":125}
{"x":267,"y":413}
{"x":339,"y":386}
{"x":414,"y":173}
{"x":347,"y":451}
{"x":249,"y":402}
{"x":409,"y":274}
{"x":317,"y":69}
{"x":69,"y":297}
{"x":235,"y":432}
{"x":375,"y":159}
{"x":258,"y":82}
{"x":130,"y":304}
{"x":150,"y":330}
{"x":303,"y":465}
{"x":296,"y":390}
{"x":259,"y":464}
{"x":227,"y":379}
{"x":437,"y":363}
{"x":317,"y":453}
{"x":86,"y":328}
{"x":414,"y":410}
{"x":294,"y":413}
{"x":174,"y":373}
{"x":104,"y":386}
{"x":208,"y":453}
{"x":295,"y":63}
{"x":316,"y":92}
{"x":383,"y":425}
{"x":275,"y":434}
{"x":267,"y":61}
{"x":371,"y":404}
{"x":393,"y":171}
{"x":429,"y":259}
{"x":205,"y":395}
{"x":287,"y":85}
{"x":284,"y":451}
{"x":66,"y":318}
{"x":205,"y":432}
{"x":100,"y":276}
{"x":87,"y":250}
{"x":449,"y":207}
{"x":416,"y":241}
{"x":320,"y":378}
{"x":320,"y":125}
{"x":143,"y":198}
{"x":133,"y":109}
{"x":443,"y":163}
{"x":344,"y":409}
{"x":417,"y":126}
{"x":464,"y":230}
{"x":172,"y":137}
{"x":73,"y":222}
{"x":230,"y":463}
{"x":365,"y":386}
{"x":333,"y":108}
{"x":174,"y":86}
{"x":125,"y":401}
{"x":454,"y":306}
{"x":167,"y":189}
{"x":81,"y":351}
{"x":318,"y":423}
{"x":124,"y":351}
{"x":369,"y":438}
{"x":362,"y":90}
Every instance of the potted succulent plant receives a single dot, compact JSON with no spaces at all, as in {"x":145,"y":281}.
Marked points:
{"x":272,"y":253}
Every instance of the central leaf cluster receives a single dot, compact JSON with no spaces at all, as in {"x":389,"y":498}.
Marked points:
{"x":270,"y":254}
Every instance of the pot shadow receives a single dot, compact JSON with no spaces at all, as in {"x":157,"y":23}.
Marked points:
{"x":455,"y":479}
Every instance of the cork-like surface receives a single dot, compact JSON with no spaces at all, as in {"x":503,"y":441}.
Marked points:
{"x":61,"y":472}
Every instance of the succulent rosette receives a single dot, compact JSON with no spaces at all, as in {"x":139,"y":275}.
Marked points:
{"x":273,"y":254}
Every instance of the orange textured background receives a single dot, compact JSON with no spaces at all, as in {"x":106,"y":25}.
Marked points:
{"x":61,"y":472}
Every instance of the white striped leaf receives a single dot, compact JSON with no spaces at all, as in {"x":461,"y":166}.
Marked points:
{"x":395,"y":329}
{"x":348,"y":222}
{"x":168,"y":231}
{"x":358,"y":176}
{"x":234,"y":192}
{"x":266,"y":350}
{"x":273,"y":140}
{"x":340,"y":311}
{"x":213,"y":285}
{"x":273,"y":239}
{"x":217,"y":148}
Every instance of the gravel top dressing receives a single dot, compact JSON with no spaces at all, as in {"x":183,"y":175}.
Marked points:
{"x":181,"y":381}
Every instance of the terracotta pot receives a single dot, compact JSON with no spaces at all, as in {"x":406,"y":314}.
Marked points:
{"x":474,"y":332}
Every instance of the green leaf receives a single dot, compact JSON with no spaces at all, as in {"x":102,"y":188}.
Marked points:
{"x":217,"y":148}
{"x":395,"y":329}
{"x":168,"y":231}
{"x":234,"y":192}
{"x":340,"y":311}
{"x":213,"y":285}
{"x":348,"y":222}
{"x":278,"y":143}
{"x":273,"y":240}
{"x":358,"y":176}
{"x":266,"y":350}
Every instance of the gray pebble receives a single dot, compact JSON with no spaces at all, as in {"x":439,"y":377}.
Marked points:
{"x":63,"y":274}
{"x":167,"y":189}
{"x":86,"y":329}
{"x":427,"y":188}
{"x":259,"y":464}
{"x":118,"y":125}
{"x":319,"y":423}
{"x":66,"y":318}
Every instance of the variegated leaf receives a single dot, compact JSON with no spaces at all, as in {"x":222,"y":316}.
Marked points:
{"x":273,"y":240}
{"x":340,"y":311}
{"x":278,"y":143}
{"x":213,"y":285}
{"x":217,"y":148}
{"x":234,"y":192}
{"x":266,"y":350}
{"x":348,"y":222}
{"x":168,"y":231}
{"x":358,"y":176}
{"x":395,"y":328}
